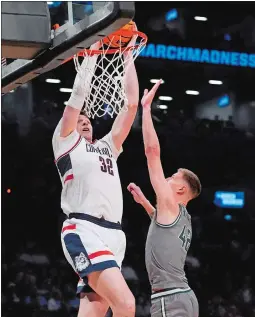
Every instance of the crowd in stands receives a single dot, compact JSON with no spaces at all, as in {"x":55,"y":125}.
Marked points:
{"x":37,"y":281}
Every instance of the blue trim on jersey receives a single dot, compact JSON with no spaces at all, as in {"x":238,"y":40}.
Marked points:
{"x":70,"y":150}
{"x":98,"y":221}
{"x":64,"y":164}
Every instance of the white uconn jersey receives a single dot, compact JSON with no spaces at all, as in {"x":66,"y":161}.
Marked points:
{"x":89,"y":175}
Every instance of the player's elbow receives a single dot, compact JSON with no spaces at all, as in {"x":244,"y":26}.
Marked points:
{"x":152,"y":151}
{"x":132,"y":106}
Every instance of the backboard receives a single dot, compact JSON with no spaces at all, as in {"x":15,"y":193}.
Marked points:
{"x":78,"y":24}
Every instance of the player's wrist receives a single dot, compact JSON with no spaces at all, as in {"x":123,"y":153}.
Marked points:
{"x":144,"y":201}
{"x":147,"y":108}
{"x":76,"y":101}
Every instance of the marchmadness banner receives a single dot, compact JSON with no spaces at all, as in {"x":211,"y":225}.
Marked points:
{"x":198,"y":55}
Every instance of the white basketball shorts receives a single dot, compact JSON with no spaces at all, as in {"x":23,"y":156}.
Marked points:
{"x":92,"y":245}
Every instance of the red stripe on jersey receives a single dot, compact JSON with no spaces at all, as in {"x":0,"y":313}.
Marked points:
{"x":70,"y":227}
{"x":99,"y":253}
{"x":68,"y":178}
{"x":68,"y":150}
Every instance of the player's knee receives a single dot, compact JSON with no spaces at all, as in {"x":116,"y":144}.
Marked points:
{"x":93,"y":305}
{"x":130,"y":306}
{"x":125,"y":306}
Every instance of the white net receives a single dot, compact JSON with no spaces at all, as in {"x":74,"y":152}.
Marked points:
{"x":103,"y":78}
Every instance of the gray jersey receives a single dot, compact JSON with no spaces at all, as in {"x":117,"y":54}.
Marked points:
{"x":166,"y":251}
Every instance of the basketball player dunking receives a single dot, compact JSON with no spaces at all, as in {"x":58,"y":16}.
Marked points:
{"x":170,"y":232}
{"x":92,"y":239}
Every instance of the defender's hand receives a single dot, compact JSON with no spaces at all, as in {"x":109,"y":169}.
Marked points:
{"x":149,"y":95}
{"x":136,"y":192}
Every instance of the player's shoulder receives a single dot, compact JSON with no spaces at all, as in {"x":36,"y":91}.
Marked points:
{"x":106,"y":140}
{"x":63,"y":145}
{"x":185,"y":212}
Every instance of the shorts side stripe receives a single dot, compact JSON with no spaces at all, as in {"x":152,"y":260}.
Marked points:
{"x":69,"y":227}
{"x":163,"y":307}
{"x":171,"y":292}
{"x":77,"y":252}
{"x":81,"y":261}
{"x":99,"y":253}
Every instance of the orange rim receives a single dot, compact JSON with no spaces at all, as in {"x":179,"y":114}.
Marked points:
{"x":113,"y":50}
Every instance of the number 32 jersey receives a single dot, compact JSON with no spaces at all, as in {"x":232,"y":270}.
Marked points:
{"x":89,"y":175}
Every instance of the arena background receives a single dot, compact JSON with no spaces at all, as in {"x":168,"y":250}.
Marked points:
{"x":210,"y":130}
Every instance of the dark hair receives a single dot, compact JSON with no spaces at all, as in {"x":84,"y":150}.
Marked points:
{"x":193,"y":181}
{"x":84,"y":113}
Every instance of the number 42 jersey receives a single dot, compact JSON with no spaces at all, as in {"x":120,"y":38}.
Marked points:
{"x":89,"y":175}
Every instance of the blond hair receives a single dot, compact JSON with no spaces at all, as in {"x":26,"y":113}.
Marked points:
{"x":193,"y":182}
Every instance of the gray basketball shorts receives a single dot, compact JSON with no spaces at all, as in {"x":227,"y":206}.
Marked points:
{"x":179,"y":304}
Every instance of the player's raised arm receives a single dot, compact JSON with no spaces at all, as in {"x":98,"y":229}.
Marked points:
{"x":123,"y":122}
{"x":152,"y":152}
{"x":76,"y":100}
{"x":140,"y":198}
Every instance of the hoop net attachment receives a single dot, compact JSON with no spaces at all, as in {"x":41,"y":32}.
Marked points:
{"x":102,"y":72}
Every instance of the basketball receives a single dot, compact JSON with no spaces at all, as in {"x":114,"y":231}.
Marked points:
{"x":120,"y":38}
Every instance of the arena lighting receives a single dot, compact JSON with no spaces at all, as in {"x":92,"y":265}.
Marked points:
{"x":226,"y":199}
{"x":165,"y":98}
{"x":228,"y":217}
{"x":227,"y":37}
{"x":154,"y":81}
{"x":66,"y":89}
{"x":53,"y":81}
{"x":171,"y":15}
{"x":215,"y":82}
{"x":224,"y":101}
{"x":200,"y":18}
{"x":54,"y":4}
{"x":163,"y":107}
{"x":192,"y":92}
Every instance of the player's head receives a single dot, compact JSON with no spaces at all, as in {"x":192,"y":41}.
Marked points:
{"x":185,"y":184}
{"x":84,"y":126}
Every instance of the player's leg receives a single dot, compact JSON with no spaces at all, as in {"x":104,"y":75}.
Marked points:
{"x":93,"y":305}
{"x":96,"y":264}
{"x":110,"y":284}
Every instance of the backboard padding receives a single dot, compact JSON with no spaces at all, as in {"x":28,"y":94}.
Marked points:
{"x":76,"y":37}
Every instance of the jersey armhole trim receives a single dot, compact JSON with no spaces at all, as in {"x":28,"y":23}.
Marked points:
{"x":171,"y":224}
{"x":72,"y":148}
{"x":108,"y":145}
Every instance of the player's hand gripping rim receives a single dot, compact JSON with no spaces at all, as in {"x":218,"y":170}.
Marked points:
{"x":132,"y":42}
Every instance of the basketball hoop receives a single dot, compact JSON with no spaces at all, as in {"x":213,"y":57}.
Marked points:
{"x":104,"y":84}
